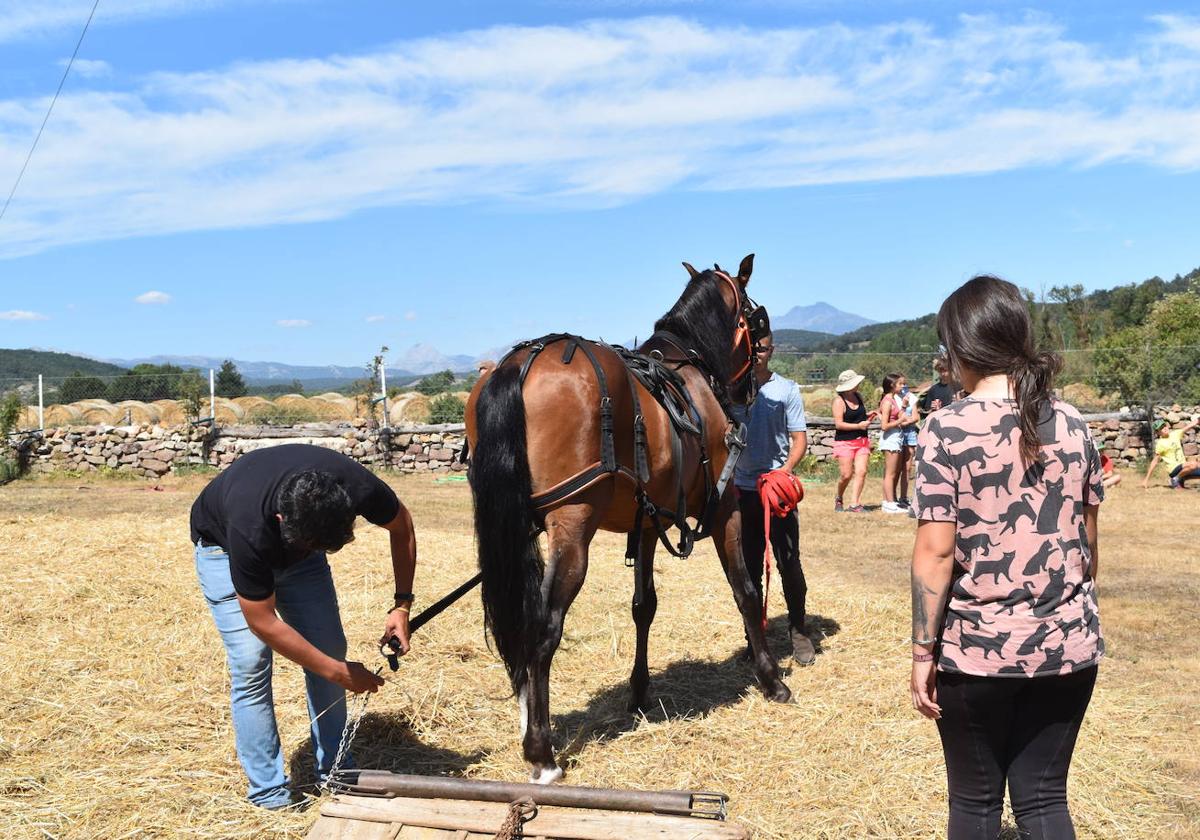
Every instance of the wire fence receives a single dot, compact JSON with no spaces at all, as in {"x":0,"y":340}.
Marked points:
{"x":1094,"y":380}
{"x":194,"y":397}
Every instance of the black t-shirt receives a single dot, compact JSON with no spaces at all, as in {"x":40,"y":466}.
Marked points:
{"x":237,"y":509}
{"x":938,"y":391}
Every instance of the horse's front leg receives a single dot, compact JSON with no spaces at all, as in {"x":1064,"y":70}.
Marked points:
{"x":643,"y":617}
{"x":568,"y":530}
{"x":727,"y":534}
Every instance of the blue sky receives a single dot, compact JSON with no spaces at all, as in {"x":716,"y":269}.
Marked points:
{"x":304,"y":181}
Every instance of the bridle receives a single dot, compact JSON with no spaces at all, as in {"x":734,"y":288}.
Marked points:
{"x":751,"y":325}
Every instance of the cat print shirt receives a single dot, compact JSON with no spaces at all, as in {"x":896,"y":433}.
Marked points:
{"x":1022,"y":599}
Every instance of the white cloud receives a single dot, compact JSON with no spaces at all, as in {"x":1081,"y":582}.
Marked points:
{"x":597,"y":113}
{"x":24,"y":19}
{"x":293,"y":322}
{"x":22,"y":315}
{"x":155,"y":298}
{"x":89,"y":68}
{"x":375,"y":319}
{"x":410,"y":316}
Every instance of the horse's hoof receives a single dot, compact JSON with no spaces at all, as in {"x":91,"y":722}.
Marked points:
{"x":546,"y":775}
{"x":781,"y":694}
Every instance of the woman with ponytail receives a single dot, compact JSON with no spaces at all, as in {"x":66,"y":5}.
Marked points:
{"x":1006,"y":631}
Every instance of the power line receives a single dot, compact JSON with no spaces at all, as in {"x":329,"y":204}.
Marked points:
{"x":46,"y":119}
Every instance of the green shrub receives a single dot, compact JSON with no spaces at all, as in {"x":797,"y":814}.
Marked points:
{"x":446,"y":408}
{"x":277,"y":415}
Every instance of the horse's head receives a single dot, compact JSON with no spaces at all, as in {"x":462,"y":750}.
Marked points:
{"x":750,"y":324}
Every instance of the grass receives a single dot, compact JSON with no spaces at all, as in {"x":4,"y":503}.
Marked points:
{"x":114,"y":694}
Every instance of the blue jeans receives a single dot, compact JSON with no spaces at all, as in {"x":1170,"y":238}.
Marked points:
{"x":306,"y":600}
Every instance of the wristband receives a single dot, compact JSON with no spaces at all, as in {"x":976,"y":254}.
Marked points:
{"x":404,"y":596}
{"x":923,"y":642}
{"x":922,"y":657}
{"x":400,"y":608}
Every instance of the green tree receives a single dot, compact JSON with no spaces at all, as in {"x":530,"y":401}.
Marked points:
{"x":192,"y":389}
{"x":446,"y":408}
{"x":10,"y":413}
{"x":79,"y":387}
{"x":229,"y":382}
{"x":436,"y":383}
{"x":1158,"y":361}
{"x":147,"y":383}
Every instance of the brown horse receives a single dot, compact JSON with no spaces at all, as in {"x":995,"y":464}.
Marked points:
{"x":537,"y":427}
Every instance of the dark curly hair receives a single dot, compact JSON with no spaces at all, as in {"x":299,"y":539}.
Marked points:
{"x":317,"y":512}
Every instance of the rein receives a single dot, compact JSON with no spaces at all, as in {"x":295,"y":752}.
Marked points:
{"x":779,"y":492}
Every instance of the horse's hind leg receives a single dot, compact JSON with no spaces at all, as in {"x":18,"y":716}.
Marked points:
{"x":569,"y":530}
{"x":643,"y":617}
{"x":727,"y":534}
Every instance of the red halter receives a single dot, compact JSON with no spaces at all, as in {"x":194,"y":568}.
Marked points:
{"x":741,"y":331}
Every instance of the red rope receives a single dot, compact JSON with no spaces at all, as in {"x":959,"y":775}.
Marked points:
{"x":779,"y":492}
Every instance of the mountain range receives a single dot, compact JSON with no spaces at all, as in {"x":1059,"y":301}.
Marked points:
{"x":819,"y":317}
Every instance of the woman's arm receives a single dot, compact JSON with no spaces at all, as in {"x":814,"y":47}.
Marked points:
{"x":886,"y":406}
{"x":1091,"y":523}
{"x":932,"y":565}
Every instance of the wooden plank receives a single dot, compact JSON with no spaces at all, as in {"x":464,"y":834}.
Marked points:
{"x":551,"y":822}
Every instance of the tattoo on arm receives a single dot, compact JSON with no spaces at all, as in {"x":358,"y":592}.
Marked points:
{"x":927,"y":605}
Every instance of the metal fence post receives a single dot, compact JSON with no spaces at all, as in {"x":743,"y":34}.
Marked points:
{"x":41,"y":406}
{"x":383,"y":387}
{"x":212,"y":397}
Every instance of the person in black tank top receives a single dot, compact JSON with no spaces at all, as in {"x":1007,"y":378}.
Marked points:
{"x":851,"y":446}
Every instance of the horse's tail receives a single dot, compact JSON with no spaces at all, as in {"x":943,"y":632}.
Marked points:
{"x":509,"y":557}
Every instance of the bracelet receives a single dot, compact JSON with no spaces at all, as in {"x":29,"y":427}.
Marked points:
{"x":922,"y":657}
{"x":404,"y":596}
{"x":923,"y":642}
{"x":399,"y":607}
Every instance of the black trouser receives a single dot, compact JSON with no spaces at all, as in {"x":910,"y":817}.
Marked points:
{"x":1014,"y":729}
{"x":785,"y":545}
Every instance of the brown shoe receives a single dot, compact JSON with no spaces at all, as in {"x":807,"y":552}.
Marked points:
{"x":803,"y":651}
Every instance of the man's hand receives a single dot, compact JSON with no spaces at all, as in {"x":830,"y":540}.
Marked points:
{"x":397,"y":625}
{"x":355,"y":678}
{"x":935,"y":405}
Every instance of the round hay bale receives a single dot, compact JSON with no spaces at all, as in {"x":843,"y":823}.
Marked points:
{"x":330,"y":395}
{"x":396,"y":408}
{"x":29,"y":418}
{"x":415,"y":409}
{"x":170,"y":412}
{"x":335,"y":408}
{"x":61,"y":415}
{"x":137,"y":412}
{"x":293,"y":401}
{"x":95,"y":412}
{"x":250,"y":403}
{"x":228,"y":412}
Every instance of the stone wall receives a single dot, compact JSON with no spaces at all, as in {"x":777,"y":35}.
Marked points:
{"x":153,"y":451}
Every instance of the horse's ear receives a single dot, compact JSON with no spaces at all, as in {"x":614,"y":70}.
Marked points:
{"x":691,"y":271}
{"x":745,"y":269}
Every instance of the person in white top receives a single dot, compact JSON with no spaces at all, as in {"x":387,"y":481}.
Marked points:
{"x":894,"y":423}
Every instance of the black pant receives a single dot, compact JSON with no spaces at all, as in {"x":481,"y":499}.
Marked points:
{"x":1021,"y":730}
{"x":785,"y":545}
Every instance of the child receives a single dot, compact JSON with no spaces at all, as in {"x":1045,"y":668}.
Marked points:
{"x":894,"y":422}
{"x":1169,"y":449}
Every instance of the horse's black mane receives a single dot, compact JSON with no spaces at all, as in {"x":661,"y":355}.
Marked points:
{"x":702,"y":318}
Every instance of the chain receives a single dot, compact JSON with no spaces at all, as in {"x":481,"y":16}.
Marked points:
{"x":355,"y":709}
{"x":519,"y":813}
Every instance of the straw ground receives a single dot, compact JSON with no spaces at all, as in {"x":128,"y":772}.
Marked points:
{"x":113,"y":691}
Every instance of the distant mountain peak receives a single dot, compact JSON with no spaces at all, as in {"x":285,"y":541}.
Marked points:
{"x":819,"y":317}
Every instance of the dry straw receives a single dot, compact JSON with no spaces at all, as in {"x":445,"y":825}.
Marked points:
{"x":114,"y":694}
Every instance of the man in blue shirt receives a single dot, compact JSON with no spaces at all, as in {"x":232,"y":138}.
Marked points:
{"x":776,"y":439}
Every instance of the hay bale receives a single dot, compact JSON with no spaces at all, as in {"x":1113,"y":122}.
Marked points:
{"x":29,"y":418}
{"x":248,"y":404}
{"x":171,"y":412}
{"x":228,"y":412}
{"x":819,"y":402}
{"x":95,"y":412}
{"x":415,"y":409}
{"x":137,"y":412}
{"x":333,"y":407}
{"x":292,"y":401}
{"x":61,"y":415}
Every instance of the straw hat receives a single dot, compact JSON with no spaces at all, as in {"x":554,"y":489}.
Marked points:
{"x":848,"y":380}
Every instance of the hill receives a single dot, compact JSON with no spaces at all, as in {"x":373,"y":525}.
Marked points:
{"x":27,"y":364}
{"x":800,"y":341}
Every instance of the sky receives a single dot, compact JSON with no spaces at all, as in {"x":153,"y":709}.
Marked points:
{"x":304,"y":181}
